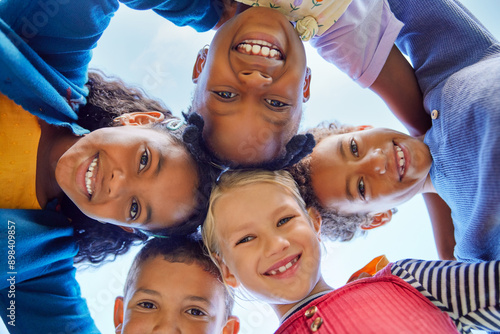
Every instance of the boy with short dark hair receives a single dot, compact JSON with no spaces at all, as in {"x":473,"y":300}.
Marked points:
{"x":172,"y":283}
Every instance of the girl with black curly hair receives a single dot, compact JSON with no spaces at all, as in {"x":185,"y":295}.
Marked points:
{"x":139,"y":177}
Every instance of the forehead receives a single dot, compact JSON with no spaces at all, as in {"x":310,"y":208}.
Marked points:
{"x":176,"y":281}
{"x":251,"y":203}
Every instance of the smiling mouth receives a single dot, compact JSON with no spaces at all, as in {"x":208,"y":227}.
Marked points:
{"x":400,"y":161}
{"x":90,"y":176}
{"x":283,"y":268}
{"x":260,"y":48}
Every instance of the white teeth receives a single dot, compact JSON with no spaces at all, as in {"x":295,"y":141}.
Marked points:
{"x":260,"y":48}
{"x":284,"y":268}
{"x":402,"y":160}
{"x":255,"y":41}
{"x":88,"y":176}
{"x":256,"y":49}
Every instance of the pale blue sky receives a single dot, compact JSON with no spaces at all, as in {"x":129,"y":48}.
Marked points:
{"x":144,"y":49}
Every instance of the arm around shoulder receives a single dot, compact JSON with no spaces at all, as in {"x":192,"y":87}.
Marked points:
{"x":397,"y":86}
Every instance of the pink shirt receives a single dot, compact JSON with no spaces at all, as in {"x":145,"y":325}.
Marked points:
{"x":381,"y":304}
{"x":360,"y":41}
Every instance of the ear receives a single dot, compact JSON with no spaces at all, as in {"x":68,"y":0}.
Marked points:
{"x":140,"y":118}
{"x":363,"y":127}
{"x":316,"y":219}
{"x":378,"y":219}
{"x":118,"y":314}
{"x":307,"y":86}
{"x":201,"y":58}
{"x":227,"y":276}
{"x":127,"y":229}
{"x":232,"y":325}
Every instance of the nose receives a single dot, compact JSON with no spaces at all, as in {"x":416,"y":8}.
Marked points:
{"x":275,"y":244}
{"x":378,"y":161}
{"x":167,"y":323}
{"x":255,"y":78}
{"x":167,"y":328}
{"x":117,"y":184}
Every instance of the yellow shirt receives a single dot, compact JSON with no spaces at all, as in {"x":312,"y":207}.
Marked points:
{"x":19,"y":137}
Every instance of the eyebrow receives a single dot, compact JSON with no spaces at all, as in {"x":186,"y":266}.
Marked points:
{"x":200,"y":299}
{"x":348,"y":193}
{"x":147,"y":291}
{"x":161,"y":160}
{"x":279,"y":209}
{"x":149,"y":213}
{"x":341,"y":149}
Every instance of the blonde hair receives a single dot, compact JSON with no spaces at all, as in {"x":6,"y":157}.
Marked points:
{"x":236,"y":179}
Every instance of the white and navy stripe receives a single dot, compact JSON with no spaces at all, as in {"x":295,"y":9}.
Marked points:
{"x":468,"y":292}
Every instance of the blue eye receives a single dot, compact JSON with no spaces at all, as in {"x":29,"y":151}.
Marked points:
{"x":196,"y":312}
{"x":147,"y":305}
{"x":354,"y":148}
{"x":276,"y":103}
{"x":284,"y":221}
{"x":245,"y":239}
{"x":226,"y":95}
{"x":143,"y":162}
{"x":361,"y":188}
{"x":134,"y":209}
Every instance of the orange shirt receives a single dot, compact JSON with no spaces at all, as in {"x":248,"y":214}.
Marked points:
{"x":19,"y":137}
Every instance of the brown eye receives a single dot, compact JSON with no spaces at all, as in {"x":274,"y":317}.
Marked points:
{"x":147,"y":305}
{"x":283,"y":221}
{"x":226,"y":95}
{"x":361,"y":188}
{"x":196,"y":312}
{"x":276,"y":103}
{"x":143,"y":162}
{"x":134,"y":210}
{"x":354,"y":148}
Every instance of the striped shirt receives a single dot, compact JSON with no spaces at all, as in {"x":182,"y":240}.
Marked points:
{"x":468,"y":292}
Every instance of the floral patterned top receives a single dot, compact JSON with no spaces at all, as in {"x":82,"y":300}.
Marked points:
{"x":312,"y":17}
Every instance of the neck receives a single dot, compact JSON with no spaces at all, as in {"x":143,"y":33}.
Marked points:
{"x":427,"y":187}
{"x":282,"y":309}
{"x":54,"y":142}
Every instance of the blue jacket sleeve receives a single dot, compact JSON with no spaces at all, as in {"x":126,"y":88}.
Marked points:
{"x":46,"y":46}
{"x":38,"y":289}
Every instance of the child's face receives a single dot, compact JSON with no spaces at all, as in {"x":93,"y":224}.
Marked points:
{"x":251,"y":103}
{"x":267,"y":243}
{"x":130,"y":176}
{"x":171,"y":297}
{"x":368,"y":171}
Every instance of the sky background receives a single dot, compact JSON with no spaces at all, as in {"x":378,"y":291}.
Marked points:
{"x":146,"y":50}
